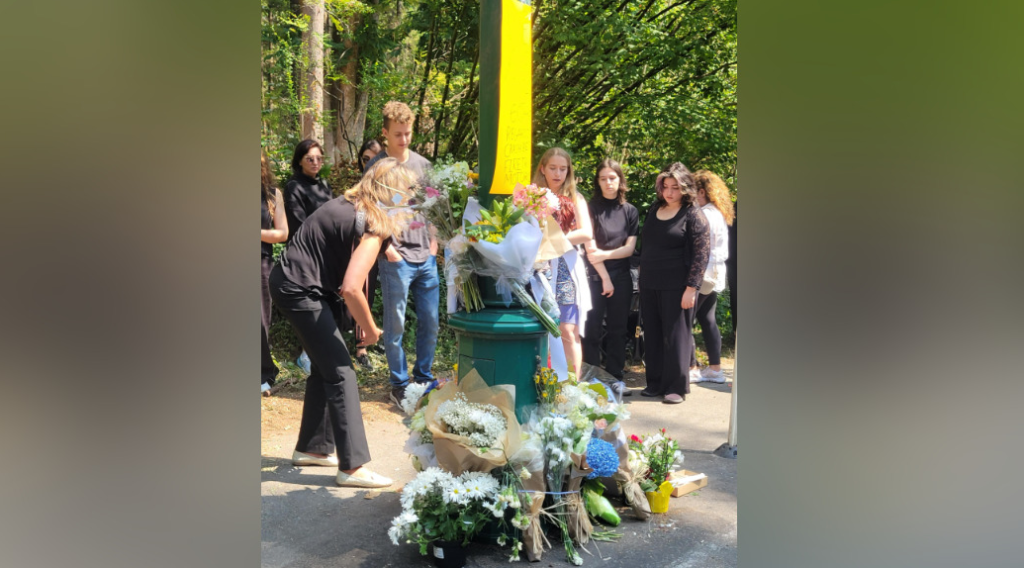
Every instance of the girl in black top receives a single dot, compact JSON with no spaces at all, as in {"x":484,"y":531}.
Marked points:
{"x":273,"y":229}
{"x":305,"y":192}
{"x":616,"y":224}
{"x":331,"y":252}
{"x":676,"y":245}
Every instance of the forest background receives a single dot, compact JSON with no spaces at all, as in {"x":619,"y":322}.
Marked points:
{"x":646,"y":82}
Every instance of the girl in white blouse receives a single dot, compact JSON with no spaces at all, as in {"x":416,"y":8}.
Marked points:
{"x":716,"y":203}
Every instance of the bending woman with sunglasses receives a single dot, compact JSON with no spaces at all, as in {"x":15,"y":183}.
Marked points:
{"x":332,"y":252}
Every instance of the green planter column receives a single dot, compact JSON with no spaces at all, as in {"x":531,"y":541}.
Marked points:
{"x":505,"y":345}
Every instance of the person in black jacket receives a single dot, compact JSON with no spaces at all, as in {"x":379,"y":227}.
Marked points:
{"x":304,"y":193}
{"x":676,"y":245}
{"x":332,"y":252}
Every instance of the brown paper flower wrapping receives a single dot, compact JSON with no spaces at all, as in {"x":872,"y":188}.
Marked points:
{"x":455,"y":453}
{"x":635,"y":497}
{"x":577,"y":518}
{"x":533,"y":536}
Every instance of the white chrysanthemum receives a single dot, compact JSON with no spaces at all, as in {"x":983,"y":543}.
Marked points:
{"x":413,"y":392}
{"x":454,"y":492}
{"x":479,"y":485}
{"x":426,"y":481}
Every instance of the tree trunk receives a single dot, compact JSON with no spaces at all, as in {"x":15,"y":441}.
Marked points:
{"x":313,"y":76}
{"x":426,"y":77}
{"x":348,"y":102}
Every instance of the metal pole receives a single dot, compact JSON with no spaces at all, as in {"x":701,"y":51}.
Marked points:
{"x":729,"y":449}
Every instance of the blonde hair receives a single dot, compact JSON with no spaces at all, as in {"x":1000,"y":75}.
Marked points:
{"x":398,"y":112}
{"x":375,"y":193}
{"x":717,"y":192}
{"x":569,"y":185}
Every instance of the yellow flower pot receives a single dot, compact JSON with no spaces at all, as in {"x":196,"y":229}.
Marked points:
{"x":659,"y":499}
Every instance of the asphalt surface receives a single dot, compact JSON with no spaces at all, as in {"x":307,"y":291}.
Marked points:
{"x":308,"y":521}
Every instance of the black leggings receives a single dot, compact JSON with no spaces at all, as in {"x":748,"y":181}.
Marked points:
{"x":706,"y":305}
{"x":331,"y":414}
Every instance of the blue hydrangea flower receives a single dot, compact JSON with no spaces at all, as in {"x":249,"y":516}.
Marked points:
{"x":602,"y":458}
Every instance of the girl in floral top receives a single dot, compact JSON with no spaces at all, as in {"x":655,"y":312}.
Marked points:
{"x":556,"y":173}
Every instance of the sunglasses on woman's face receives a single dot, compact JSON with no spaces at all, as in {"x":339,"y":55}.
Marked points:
{"x":314,"y":159}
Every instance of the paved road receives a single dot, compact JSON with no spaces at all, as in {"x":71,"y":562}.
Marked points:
{"x":308,"y":521}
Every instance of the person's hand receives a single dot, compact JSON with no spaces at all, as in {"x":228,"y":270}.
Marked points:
{"x":370,"y":336}
{"x":590,"y":248}
{"x":606,"y":288}
{"x":597,"y":256}
{"x":689,"y":298}
{"x":392,"y":255}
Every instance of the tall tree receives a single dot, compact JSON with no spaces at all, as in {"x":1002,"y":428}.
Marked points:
{"x":312,"y":94}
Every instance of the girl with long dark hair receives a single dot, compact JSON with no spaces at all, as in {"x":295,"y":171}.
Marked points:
{"x":673,"y":256}
{"x":616,"y":225}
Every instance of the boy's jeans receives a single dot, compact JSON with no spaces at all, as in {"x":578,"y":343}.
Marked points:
{"x":397,"y":279}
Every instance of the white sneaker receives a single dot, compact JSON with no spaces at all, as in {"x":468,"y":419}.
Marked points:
{"x":363,"y":478}
{"x":302,"y":458}
{"x":713,"y":376}
{"x":696,"y":377}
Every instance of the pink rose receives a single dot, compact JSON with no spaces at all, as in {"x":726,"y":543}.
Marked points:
{"x":600,"y":423}
{"x":431,"y":192}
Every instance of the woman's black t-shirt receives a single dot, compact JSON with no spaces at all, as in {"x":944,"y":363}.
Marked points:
{"x":302,"y":196}
{"x":613,"y":223}
{"x":317,"y":256}
{"x":675,"y":251}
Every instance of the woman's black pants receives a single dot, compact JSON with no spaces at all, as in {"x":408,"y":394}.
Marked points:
{"x":331,"y":415}
{"x":614,"y":313}
{"x":268,"y":370}
{"x":668,"y":341}
{"x":706,"y":305}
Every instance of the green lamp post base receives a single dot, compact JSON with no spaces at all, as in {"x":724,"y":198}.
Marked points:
{"x":505,"y":346}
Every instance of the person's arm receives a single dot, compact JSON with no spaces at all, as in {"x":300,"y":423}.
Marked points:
{"x":607,"y":289}
{"x":359,"y":267}
{"x":391,"y":253}
{"x":585,"y":232}
{"x":279,"y":233}
{"x":625,"y":251}
{"x":698,"y":237}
